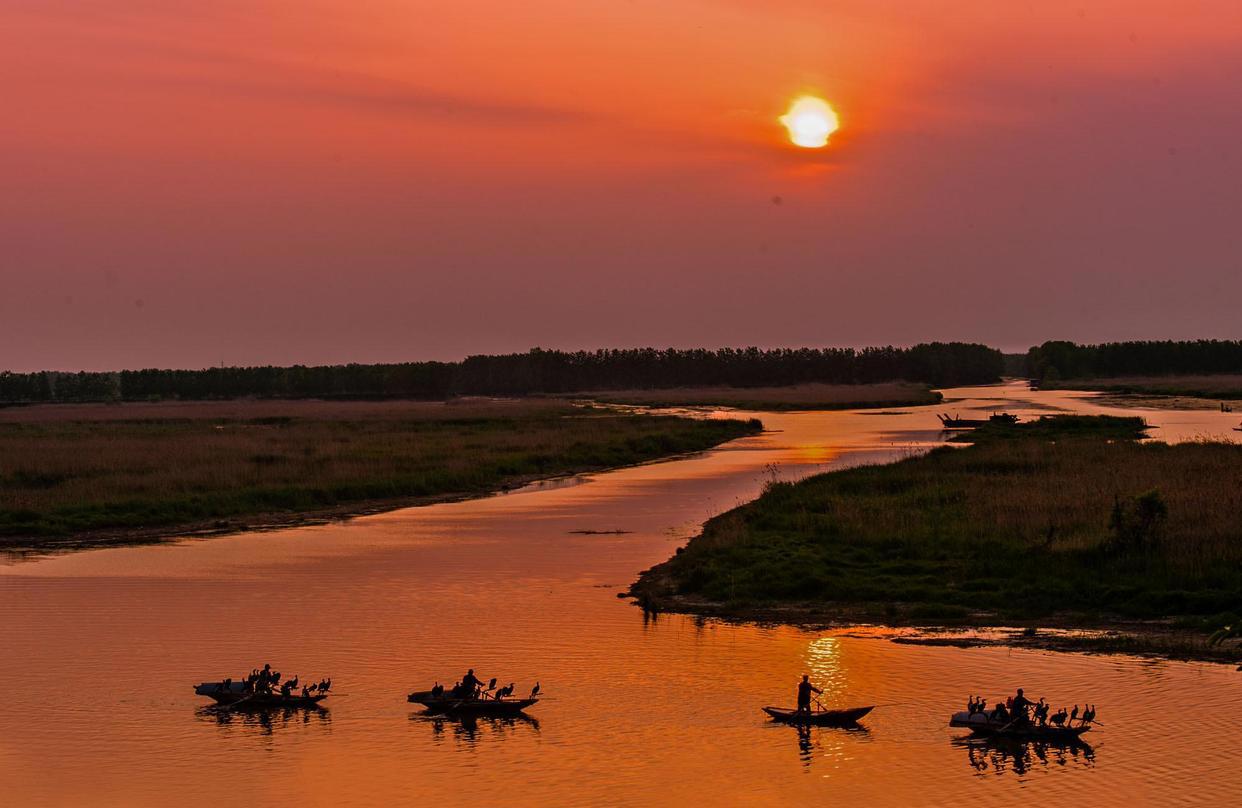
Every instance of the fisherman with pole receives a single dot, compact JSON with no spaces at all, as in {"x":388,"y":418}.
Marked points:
{"x":805,"y":689}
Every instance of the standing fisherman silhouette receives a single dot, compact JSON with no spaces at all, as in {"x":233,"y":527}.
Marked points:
{"x":805,"y":689}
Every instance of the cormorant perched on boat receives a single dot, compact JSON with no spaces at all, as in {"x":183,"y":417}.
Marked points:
{"x":1073,"y":714}
{"x":534,"y":691}
{"x":1058,"y":717}
{"x":1041,"y":712}
{"x":1088,"y":714}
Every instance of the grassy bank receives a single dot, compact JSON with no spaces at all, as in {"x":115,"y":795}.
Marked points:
{"x":791,"y":397}
{"x":1063,"y":521}
{"x":111,"y":473}
{"x":1220,"y":386}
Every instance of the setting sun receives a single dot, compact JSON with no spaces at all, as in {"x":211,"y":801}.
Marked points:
{"x":810,"y":122}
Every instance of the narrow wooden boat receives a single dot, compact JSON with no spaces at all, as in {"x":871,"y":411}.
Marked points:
{"x":981,"y":724}
{"x":973,"y":423}
{"x":818,"y":718}
{"x":960,"y":423}
{"x":457,"y":706}
{"x":235,"y":696}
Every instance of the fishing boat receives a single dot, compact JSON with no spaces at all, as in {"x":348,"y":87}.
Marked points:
{"x":444,"y":703}
{"x":984,"y":725}
{"x":954,"y":422}
{"x":818,"y":718}
{"x":235,"y":696}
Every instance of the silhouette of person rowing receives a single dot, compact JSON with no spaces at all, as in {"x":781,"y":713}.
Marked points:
{"x":805,"y":689}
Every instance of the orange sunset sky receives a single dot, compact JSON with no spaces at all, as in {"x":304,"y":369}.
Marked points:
{"x":270,"y":181}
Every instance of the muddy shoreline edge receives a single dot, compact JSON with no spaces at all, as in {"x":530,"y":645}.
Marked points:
{"x":1068,"y":633}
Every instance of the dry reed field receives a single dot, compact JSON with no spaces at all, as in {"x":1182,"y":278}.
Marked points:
{"x":70,"y":469}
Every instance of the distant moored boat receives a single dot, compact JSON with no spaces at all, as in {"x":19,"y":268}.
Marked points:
{"x":955,"y":422}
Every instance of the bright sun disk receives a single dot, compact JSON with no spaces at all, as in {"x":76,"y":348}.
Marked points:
{"x":810,"y":122}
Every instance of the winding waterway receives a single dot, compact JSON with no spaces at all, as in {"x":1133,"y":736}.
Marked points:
{"x":99,"y":651}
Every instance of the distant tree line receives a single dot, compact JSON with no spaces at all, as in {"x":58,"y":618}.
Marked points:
{"x":1067,"y":360}
{"x":537,"y":371}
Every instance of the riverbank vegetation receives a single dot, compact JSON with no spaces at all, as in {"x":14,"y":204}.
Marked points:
{"x":535,"y":372}
{"x":1059,"y":361}
{"x":793,"y":397}
{"x":121,"y":472}
{"x":1068,"y":519}
{"x":1207,"y":390}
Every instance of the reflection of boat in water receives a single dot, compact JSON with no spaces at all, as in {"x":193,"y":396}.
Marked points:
{"x":983,"y":725}
{"x":1001,"y":754}
{"x":234,"y":695}
{"x":444,"y":703}
{"x":472,"y":723}
{"x":818,"y":718}
{"x":955,"y":422}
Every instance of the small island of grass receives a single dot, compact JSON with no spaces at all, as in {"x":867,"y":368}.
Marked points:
{"x":1068,"y":520}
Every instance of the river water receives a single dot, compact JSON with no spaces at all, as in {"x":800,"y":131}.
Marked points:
{"x":100,"y":650}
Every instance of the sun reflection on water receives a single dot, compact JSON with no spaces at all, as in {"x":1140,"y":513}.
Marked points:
{"x":823,"y":657}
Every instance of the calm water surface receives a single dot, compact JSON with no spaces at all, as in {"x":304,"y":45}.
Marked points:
{"x":100,"y":650}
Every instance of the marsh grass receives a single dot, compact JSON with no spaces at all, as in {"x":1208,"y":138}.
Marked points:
{"x":1068,"y":515}
{"x":1215,"y":386}
{"x":94,"y":467}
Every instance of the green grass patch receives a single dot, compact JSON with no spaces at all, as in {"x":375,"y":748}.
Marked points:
{"x":1064,"y":514}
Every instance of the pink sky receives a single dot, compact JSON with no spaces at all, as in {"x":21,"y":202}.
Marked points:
{"x":263,"y":181}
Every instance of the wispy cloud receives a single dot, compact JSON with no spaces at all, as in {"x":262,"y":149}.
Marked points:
{"x":160,"y":52}
{"x":297,"y":83}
